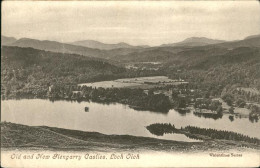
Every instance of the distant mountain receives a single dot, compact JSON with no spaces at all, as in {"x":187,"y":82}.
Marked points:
{"x":180,"y":54}
{"x":57,"y":47}
{"x":169,"y":54}
{"x":253,"y":36}
{"x":103,"y":46}
{"x":71,"y":49}
{"x":195,"y":41}
{"x":7,"y":40}
{"x":179,"y":51}
{"x":251,"y":41}
{"x":152,"y":54}
{"x":238,"y":56}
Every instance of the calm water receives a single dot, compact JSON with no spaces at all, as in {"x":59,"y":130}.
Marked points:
{"x":112,"y":119}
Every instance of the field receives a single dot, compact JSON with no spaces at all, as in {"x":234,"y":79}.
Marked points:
{"x":140,"y":82}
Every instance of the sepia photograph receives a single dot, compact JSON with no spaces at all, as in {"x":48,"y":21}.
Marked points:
{"x":130,"y":84}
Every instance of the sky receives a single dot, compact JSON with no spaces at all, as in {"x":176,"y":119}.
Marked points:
{"x":137,"y":23}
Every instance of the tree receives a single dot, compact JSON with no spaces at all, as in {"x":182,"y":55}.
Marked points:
{"x":231,"y":110}
{"x":240,"y":103}
{"x":228,"y":98}
{"x":231,"y":118}
{"x":219,"y":109}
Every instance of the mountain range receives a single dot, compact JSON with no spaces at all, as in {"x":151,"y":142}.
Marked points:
{"x":103,"y":46}
{"x":54,"y":46}
{"x":253,"y":36}
{"x":195,"y":41}
{"x":122,"y":52}
{"x":180,"y":53}
{"x":59,"y":47}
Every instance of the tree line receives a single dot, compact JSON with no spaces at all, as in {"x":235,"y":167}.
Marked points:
{"x":136,"y":98}
{"x":218,"y":134}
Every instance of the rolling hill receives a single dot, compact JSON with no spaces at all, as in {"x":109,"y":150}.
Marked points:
{"x":29,"y":71}
{"x":186,"y":53}
{"x":195,"y":41}
{"x":54,"y":46}
{"x":237,"y":56}
{"x":103,"y":46}
{"x":253,"y":41}
{"x":57,"y":47}
{"x":165,"y":53}
{"x":7,"y":40}
{"x":253,"y":36}
{"x":152,"y":54}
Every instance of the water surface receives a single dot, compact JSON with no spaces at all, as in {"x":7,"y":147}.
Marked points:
{"x":113,"y":118}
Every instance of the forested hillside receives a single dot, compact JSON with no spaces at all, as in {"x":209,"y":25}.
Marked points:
{"x":221,"y":74}
{"x":27,"y":70}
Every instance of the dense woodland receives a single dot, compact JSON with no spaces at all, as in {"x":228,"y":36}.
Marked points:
{"x":217,"y":134}
{"x":136,"y":98}
{"x":219,"y":71}
{"x":160,"y":129}
{"x":27,"y":72}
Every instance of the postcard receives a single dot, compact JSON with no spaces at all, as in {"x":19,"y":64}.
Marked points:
{"x":130,"y":84}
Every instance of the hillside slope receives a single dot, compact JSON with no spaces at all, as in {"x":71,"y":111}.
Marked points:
{"x":253,"y":41}
{"x":195,"y":41}
{"x":170,"y":54}
{"x":57,"y":47}
{"x":17,"y":136}
{"x":31,"y":71}
{"x":7,"y":40}
{"x":103,"y":46}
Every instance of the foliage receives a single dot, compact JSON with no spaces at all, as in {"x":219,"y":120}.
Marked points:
{"x":136,"y":98}
{"x":27,"y":72}
{"x":218,"y":134}
{"x":161,"y":129}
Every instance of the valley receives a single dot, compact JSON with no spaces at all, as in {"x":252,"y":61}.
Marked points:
{"x":210,"y":81}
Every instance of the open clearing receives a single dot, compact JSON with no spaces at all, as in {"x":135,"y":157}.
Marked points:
{"x":141,"y":82}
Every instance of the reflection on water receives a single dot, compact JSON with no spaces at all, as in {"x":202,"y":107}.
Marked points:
{"x":253,"y":119}
{"x":209,"y":115}
{"x":177,"y":137}
{"x":183,"y":112}
{"x":231,"y":118}
{"x":112,"y":119}
{"x":168,"y":131}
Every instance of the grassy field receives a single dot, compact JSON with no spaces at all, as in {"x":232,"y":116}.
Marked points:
{"x":16,"y":136}
{"x":140,"y":82}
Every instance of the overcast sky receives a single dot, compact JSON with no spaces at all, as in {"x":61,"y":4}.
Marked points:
{"x":137,"y":23}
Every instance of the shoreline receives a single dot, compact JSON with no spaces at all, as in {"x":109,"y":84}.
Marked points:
{"x":58,"y":139}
